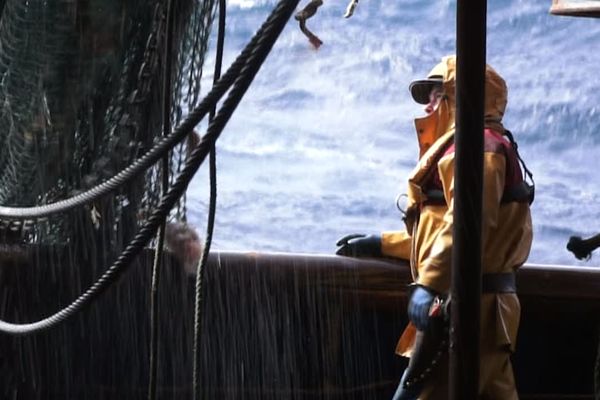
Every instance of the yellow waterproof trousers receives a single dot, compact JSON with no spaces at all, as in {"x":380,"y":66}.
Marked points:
{"x":496,"y":379}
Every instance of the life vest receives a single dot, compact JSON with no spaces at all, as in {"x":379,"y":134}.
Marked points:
{"x":516,"y":188}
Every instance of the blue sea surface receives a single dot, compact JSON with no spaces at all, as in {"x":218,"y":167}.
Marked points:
{"x":324,"y":139}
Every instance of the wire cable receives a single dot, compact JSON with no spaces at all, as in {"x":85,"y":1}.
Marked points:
{"x":160,"y":237}
{"x":158,"y":151}
{"x":259,"y":49}
{"x":211,"y":216}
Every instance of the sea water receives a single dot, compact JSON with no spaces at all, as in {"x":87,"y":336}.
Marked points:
{"x":324,"y":140}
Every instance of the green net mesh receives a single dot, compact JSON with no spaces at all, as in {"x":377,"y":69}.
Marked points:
{"x":81,"y":97}
{"x":81,"y":85}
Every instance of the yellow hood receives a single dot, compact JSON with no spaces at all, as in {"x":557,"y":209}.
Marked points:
{"x":442,"y":120}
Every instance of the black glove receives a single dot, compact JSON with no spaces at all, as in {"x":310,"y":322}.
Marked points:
{"x":359,"y":245}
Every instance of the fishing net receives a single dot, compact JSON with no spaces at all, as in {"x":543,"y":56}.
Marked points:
{"x":82,"y":96}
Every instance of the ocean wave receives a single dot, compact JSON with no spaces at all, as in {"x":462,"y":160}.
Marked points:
{"x":324,"y":139}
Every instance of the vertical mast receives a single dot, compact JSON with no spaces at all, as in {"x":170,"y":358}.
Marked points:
{"x":468,"y":191}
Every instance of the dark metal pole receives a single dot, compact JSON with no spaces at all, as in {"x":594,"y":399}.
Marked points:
{"x":468,"y":190}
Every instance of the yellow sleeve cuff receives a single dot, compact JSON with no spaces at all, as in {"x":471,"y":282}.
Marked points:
{"x":435,"y":277}
{"x":396,"y":244}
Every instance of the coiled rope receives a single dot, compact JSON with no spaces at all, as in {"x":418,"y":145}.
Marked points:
{"x":254,"y":55}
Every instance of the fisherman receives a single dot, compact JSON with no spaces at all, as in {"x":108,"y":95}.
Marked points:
{"x":427,"y":241}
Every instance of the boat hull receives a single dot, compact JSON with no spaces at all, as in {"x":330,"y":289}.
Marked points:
{"x":273,"y":326}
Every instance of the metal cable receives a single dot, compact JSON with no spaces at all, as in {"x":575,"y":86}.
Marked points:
{"x":211,"y":216}
{"x":158,"y":151}
{"x":265,"y":39}
{"x":160,"y":239}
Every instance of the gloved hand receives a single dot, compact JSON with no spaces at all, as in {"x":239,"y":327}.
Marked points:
{"x":419,"y":305}
{"x":359,"y":245}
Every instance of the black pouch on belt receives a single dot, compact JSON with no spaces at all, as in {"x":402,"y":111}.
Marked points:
{"x":429,"y":348}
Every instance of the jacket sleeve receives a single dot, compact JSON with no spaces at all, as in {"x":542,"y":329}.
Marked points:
{"x":396,"y":244}
{"x":434,"y":269}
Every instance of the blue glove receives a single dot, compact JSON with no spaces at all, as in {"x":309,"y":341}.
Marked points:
{"x":359,"y":245}
{"x":418,"y":306}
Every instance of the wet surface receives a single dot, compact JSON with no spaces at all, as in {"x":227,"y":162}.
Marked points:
{"x":274,"y":326}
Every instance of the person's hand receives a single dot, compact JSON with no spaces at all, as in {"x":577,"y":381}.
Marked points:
{"x":419,"y":305}
{"x":359,"y":245}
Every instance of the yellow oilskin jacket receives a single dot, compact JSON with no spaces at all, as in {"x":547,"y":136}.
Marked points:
{"x":506,"y":225}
